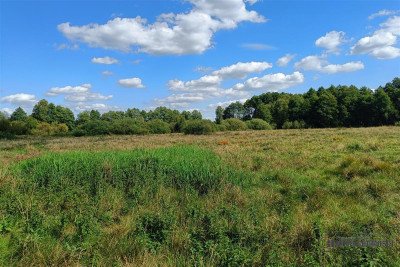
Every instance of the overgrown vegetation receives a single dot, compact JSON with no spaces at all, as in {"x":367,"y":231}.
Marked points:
{"x":250,"y":198}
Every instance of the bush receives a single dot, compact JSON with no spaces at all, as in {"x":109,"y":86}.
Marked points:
{"x":397,"y":123}
{"x":220,"y":127}
{"x":258,"y":124}
{"x":18,"y":127}
{"x":95,"y":127}
{"x":198,"y":127}
{"x":4,"y":125}
{"x":43,"y":128}
{"x":61,"y":128}
{"x":287,"y":125}
{"x":156,"y":126}
{"x":234,"y":124}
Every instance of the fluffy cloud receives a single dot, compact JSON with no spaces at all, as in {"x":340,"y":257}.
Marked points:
{"x":271,"y":82}
{"x":98,"y":106}
{"x":209,"y":86}
{"x":205,"y":83}
{"x":370,"y":43}
{"x":283,"y":61}
{"x":171,"y":34}
{"x":131,"y":83}
{"x":212,"y":82}
{"x":79,"y":93}
{"x":380,"y":44}
{"x":386,"y":52}
{"x":383,"y":12}
{"x":258,"y":46}
{"x":22,"y":100}
{"x":105,"y":60}
{"x":331,"y":41}
{"x":319,"y":63}
{"x":347,"y":67}
{"x":55,"y":91}
{"x":240,"y":70}
{"x":85,"y":97}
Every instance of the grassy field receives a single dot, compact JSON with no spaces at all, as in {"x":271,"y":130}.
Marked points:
{"x":250,"y":198}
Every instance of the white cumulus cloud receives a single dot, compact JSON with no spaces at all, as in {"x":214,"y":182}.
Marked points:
{"x":131,"y":83}
{"x":171,"y":34}
{"x":81,"y":93}
{"x":271,"y":82}
{"x":105,"y":60}
{"x":283,"y":61}
{"x":331,"y":41}
{"x":381,"y":43}
{"x":21,"y":99}
{"x":319,"y":63}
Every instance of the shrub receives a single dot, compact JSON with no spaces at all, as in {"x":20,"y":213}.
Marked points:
{"x":287,"y":125}
{"x":4,"y":125}
{"x":156,"y":126}
{"x":220,"y":127}
{"x":397,"y":123}
{"x":42,"y":128}
{"x":234,"y":124}
{"x":18,"y":127}
{"x":61,"y":128}
{"x":95,"y":127}
{"x":258,"y":124}
{"x":198,"y":127}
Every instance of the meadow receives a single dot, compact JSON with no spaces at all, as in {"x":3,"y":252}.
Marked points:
{"x":243,"y":198}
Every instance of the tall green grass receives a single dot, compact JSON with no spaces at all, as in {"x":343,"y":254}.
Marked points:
{"x":178,"y":167}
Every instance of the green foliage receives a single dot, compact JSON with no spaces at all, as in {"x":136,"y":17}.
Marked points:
{"x":258,"y":124}
{"x":219,"y":115}
{"x":234,"y":124}
{"x":96,"y":127}
{"x":234,"y":110}
{"x":18,"y":127}
{"x":198,"y":127}
{"x":157,"y":126}
{"x":18,"y":115}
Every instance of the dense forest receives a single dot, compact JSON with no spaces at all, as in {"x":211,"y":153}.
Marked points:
{"x":336,"y":106}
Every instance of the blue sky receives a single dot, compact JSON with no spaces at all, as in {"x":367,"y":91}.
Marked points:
{"x":195,"y":54}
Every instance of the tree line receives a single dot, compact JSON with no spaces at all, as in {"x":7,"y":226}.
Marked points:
{"x":335,"y":106}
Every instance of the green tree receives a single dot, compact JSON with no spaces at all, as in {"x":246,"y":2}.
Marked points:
{"x":94,"y":115}
{"x":219,"y":113}
{"x":262,"y":112}
{"x":383,"y":107}
{"x":41,"y":111}
{"x":83,"y":117}
{"x":196,"y":115}
{"x":234,"y":110}
{"x":18,"y":115}
{"x":327,"y":110}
